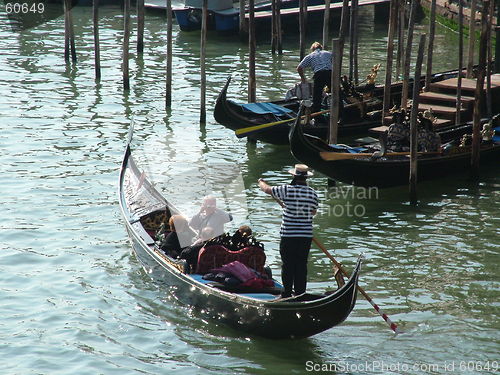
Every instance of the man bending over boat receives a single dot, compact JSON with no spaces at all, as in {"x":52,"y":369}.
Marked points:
{"x":299,"y":203}
{"x":210,"y":216}
{"x":320,"y":63}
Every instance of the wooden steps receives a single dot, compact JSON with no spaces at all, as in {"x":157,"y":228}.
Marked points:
{"x":437,"y":97}
{"x":439,"y":122}
{"x":443,"y":95}
{"x":441,"y":99}
{"x":468,"y":85}
{"x":442,"y":111}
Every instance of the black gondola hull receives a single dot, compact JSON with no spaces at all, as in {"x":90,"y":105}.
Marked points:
{"x":382,"y":172}
{"x":298,"y":318}
{"x":354,"y":119}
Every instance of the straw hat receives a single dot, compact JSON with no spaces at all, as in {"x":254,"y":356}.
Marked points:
{"x":301,"y":170}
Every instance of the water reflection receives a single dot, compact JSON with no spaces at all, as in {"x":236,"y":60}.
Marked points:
{"x":193,"y":340}
{"x":433,"y":268}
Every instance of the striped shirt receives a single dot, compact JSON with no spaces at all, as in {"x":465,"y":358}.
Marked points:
{"x":317,"y":60}
{"x":299,"y":203}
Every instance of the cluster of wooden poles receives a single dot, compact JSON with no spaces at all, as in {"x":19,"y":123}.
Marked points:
{"x":484,"y":69}
{"x":250,"y":28}
{"x":348,"y":25}
{"x":396,"y":23}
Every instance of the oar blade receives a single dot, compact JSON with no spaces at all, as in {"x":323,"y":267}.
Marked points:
{"x":245,"y":132}
{"x":332,"y":156}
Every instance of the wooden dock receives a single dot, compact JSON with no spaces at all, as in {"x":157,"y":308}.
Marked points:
{"x":314,"y":8}
{"x":441,"y":99}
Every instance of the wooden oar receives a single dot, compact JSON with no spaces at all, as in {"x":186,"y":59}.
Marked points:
{"x":384,"y":316}
{"x":332,"y":155}
{"x":243,"y":132}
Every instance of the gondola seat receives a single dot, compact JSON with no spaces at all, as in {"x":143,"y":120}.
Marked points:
{"x":215,"y":256}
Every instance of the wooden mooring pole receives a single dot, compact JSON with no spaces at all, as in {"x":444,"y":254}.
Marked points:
{"x":203,"y":52}
{"x":458,"y":117}
{"x":252,"y":86}
{"x":69,"y":33}
{"x":126,"y":42}
{"x":276,"y":43}
{"x":278,"y":27}
{"x":401,"y":39}
{"x":413,"y":122}
{"x":168,"y":84}
{"x":326,"y":24}
{"x":407,"y":59}
{"x":497,"y":45}
{"x":335,"y":89}
{"x":489,"y":61}
{"x":390,"y":53}
{"x":478,"y":94}
{"x":353,"y":35}
{"x":242,"y":26}
{"x":273,"y":27}
{"x":430,"y":49}
{"x":302,"y":29}
{"x":140,"y":27}
{"x":97,"y":48}
{"x":472,"y":38}
{"x":344,"y":26}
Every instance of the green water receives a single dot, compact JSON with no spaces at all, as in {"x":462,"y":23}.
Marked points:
{"x":74,"y":298}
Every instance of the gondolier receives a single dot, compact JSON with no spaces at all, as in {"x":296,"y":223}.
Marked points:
{"x":320,"y":62}
{"x":300,"y":203}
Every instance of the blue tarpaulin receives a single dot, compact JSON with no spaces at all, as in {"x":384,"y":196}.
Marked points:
{"x":264,"y":108}
{"x":345,"y":148}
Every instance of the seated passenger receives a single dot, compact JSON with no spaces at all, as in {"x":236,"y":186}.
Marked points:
{"x":210,"y":216}
{"x":190,"y":253}
{"x":398,"y":135}
{"x":427,"y":139}
{"x":164,"y":229}
{"x":180,"y":236}
{"x":241,"y":237}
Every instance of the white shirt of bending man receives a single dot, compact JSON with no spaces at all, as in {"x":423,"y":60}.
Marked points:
{"x":210,"y":216}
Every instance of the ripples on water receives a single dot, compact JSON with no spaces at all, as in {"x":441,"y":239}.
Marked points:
{"x":76,"y":301}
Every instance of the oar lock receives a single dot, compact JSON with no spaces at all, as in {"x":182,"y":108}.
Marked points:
{"x":306,"y":103}
{"x":306,"y":106}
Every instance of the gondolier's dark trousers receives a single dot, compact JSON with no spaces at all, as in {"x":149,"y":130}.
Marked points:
{"x":321,"y":79}
{"x":294,"y":252}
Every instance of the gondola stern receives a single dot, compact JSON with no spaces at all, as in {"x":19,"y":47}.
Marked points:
{"x":219,"y":108}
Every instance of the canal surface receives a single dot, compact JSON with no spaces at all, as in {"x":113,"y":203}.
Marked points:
{"x":76,"y":301}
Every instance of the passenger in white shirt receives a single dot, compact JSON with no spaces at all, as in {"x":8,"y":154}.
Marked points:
{"x":210,"y":216}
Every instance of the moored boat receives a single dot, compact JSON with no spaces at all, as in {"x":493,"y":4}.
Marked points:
{"x":356,"y":118}
{"x":360,"y":111}
{"x":391,"y":169}
{"x":256,"y":312}
{"x":223,"y":15}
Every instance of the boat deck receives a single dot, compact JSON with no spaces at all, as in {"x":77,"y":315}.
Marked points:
{"x":265,"y":295}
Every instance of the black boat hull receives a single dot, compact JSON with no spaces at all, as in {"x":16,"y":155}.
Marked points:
{"x":354,"y":119}
{"x":297,"y":318}
{"x":382,"y":172}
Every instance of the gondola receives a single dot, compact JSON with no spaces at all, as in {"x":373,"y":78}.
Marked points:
{"x":355,"y":118}
{"x":386,"y":171}
{"x":256,"y":312}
